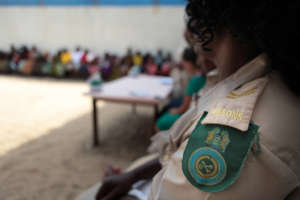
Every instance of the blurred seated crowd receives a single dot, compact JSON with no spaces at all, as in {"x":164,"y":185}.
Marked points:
{"x":81,"y":63}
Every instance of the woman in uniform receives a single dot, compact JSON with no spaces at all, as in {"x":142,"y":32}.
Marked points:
{"x":242,"y":141}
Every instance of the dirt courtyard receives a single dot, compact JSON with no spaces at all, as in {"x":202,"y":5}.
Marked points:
{"x":45,"y":128}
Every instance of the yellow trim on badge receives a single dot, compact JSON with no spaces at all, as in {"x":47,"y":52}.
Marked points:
{"x":210,"y":137}
{"x":206,"y":170}
{"x":234,"y":95}
{"x":228,"y":113}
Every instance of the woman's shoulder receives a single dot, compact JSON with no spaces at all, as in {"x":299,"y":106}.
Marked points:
{"x":277,"y":113}
{"x":277,"y":106}
{"x":197,"y":81}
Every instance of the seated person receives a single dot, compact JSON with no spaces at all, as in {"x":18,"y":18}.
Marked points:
{"x":151,"y":67}
{"x":196,"y":82}
{"x":242,"y":140}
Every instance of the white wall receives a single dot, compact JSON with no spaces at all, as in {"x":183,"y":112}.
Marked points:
{"x":98,"y":28}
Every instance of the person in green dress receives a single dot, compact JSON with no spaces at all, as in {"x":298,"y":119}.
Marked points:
{"x":195,"y":84}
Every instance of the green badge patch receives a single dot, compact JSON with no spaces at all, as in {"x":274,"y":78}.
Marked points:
{"x":215,"y":155}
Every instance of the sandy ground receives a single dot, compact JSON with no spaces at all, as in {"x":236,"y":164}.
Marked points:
{"x":45,"y":126}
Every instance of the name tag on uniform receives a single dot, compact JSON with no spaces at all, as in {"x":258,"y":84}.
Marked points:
{"x":215,"y":155}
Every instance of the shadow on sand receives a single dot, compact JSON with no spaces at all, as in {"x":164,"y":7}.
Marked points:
{"x":59,"y":166}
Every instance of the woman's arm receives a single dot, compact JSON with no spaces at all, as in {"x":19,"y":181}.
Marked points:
{"x":116,"y":186}
{"x":184,"y":106}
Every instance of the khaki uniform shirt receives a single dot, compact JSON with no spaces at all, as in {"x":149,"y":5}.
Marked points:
{"x":249,"y":94}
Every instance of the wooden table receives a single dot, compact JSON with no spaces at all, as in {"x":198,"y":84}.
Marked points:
{"x":143,"y":90}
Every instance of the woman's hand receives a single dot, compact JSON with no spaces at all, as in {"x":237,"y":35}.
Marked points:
{"x":173,"y":111}
{"x":115,"y":186}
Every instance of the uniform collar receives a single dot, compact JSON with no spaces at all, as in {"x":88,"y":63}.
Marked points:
{"x":232,"y":101}
{"x":254,"y":69}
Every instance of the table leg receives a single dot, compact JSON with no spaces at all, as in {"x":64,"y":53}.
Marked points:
{"x":156,"y":112}
{"x":134,"y":109}
{"x":95,"y":124}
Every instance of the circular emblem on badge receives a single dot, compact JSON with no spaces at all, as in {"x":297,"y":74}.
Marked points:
{"x":207,"y":166}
